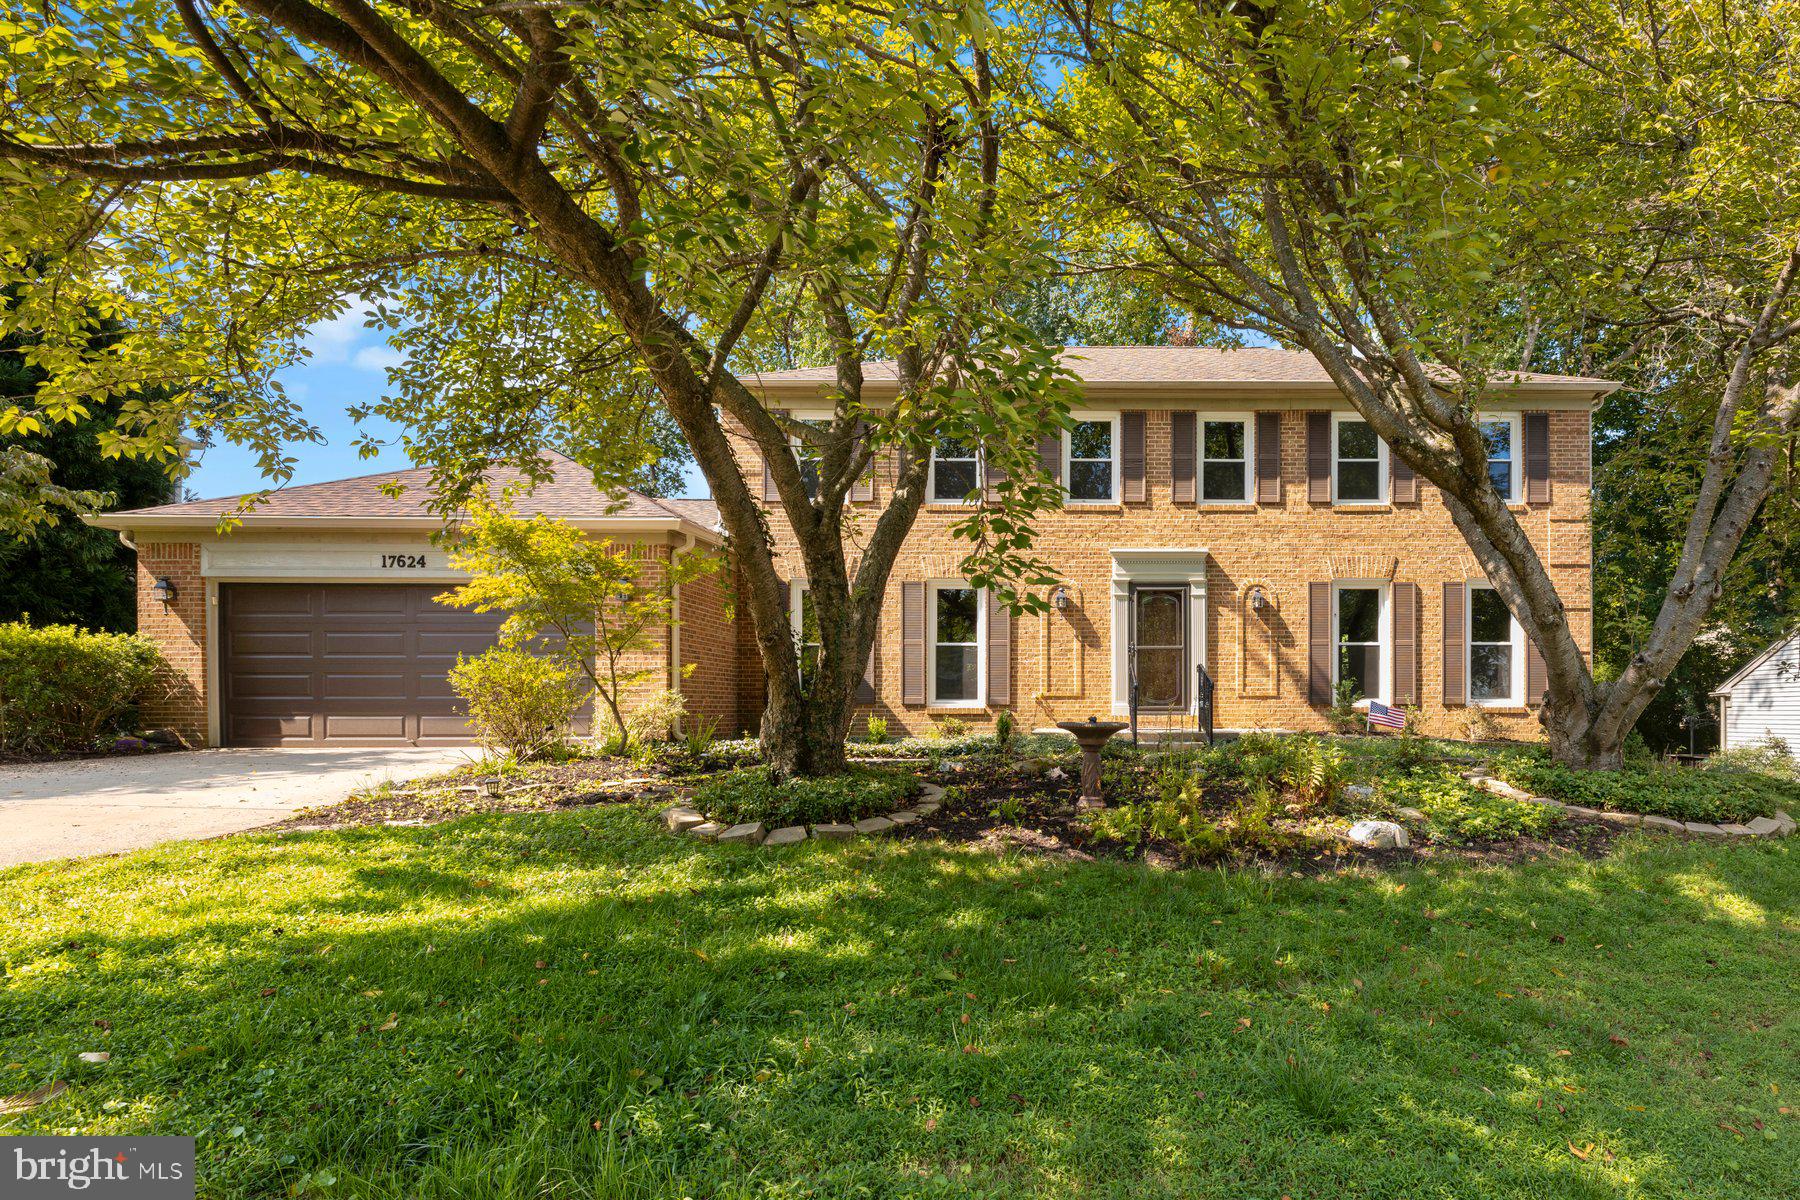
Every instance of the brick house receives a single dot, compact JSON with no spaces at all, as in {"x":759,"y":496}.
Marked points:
{"x":1227,"y":512}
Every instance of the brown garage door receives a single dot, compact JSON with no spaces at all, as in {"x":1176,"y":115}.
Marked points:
{"x":343,"y":664}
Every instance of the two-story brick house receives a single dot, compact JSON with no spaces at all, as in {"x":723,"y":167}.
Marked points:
{"x":1226,"y":510}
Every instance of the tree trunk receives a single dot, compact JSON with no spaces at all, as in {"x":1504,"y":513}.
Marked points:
{"x":1576,"y":742}
{"x":804,"y":731}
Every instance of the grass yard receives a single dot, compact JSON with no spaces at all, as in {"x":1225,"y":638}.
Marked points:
{"x":575,"y":1004}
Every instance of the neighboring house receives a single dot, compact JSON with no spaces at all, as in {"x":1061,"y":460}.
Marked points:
{"x":1762,"y":701}
{"x":313,"y":623}
{"x":1226,"y":510}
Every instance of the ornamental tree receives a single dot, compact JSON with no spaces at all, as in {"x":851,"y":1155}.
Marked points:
{"x":1431,"y":197}
{"x":625,"y":200}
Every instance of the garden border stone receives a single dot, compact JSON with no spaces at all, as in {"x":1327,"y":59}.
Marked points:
{"x":683,"y":818}
{"x":1779,"y":825}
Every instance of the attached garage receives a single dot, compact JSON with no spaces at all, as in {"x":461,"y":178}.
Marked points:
{"x":343,"y":664}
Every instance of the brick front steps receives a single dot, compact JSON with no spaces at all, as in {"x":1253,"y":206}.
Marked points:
{"x":1779,"y":825}
{"x":681,"y":819}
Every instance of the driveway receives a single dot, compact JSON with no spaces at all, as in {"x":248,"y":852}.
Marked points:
{"x":105,"y":805}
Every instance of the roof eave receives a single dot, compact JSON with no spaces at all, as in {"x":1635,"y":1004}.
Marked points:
{"x":129,"y":522}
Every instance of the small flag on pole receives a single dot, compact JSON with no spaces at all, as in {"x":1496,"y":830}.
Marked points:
{"x":1385,"y":717}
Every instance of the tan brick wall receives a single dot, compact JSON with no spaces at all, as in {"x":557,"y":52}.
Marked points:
{"x":179,"y":628}
{"x":1063,"y":662}
{"x":709,"y":652}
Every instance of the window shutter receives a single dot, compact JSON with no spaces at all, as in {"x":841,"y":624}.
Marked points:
{"x":1318,"y":685}
{"x":1537,"y":675}
{"x":1403,"y":485}
{"x":1268,"y":458}
{"x":991,"y":476}
{"x":1537,"y":457}
{"x":863,"y":490}
{"x":1050,"y":455}
{"x":1184,"y":454}
{"x":1455,"y":645}
{"x":1318,"y":458}
{"x":999,"y":651}
{"x":770,"y":493}
{"x":912,"y":643}
{"x":1406,"y":643}
{"x":1131,"y":456}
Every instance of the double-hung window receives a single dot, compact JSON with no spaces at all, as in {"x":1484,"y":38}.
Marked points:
{"x":956,"y":636}
{"x":1091,"y":466}
{"x":1360,"y":626}
{"x":807,"y":641}
{"x":955,"y":470}
{"x":1358,"y":462}
{"x":1495,"y":654}
{"x":1502,"y":437}
{"x":807,"y":455}
{"x":1224,"y":460}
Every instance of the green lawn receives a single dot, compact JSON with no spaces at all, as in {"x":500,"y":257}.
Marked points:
{"x":579,"y":1005}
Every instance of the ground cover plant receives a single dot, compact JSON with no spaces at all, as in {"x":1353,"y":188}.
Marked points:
{"x":1721,"y":794}
{"x":580,"y":1005}
{"x":755,"y":794}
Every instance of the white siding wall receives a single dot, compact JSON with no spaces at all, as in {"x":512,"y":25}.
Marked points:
{"x":1766,"y":702}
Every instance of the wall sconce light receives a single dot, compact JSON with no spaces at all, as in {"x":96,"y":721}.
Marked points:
{"x":164,"y":590}
{"x":1060,"y":598}
{"x":1258,"y":601}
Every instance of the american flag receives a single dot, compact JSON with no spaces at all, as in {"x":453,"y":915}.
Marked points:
{"x":1387,"y":718}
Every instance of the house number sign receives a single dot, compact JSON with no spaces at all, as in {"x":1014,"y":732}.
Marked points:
{"x":402,"y":562}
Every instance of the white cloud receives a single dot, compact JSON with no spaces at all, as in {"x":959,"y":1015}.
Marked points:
{"x":330,"y":340}
{"x":378,"y":358}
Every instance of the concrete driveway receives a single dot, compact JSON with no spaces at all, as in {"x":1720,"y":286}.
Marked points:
{"x":105,"y":805}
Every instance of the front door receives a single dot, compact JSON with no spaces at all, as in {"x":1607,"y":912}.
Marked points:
{"x":1159,"y":651}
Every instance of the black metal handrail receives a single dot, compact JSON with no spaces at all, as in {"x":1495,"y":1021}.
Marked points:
{"x":1203,"y":702}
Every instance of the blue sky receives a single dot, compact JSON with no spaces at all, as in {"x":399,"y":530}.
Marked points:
{"x":347,"y":368}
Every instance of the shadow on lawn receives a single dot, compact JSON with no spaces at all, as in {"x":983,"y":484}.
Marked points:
{"x":619,"y":1012}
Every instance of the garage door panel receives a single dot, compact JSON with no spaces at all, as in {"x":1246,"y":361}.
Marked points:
{"x":247,"y":643}
{"x":253,"y":730}
{"x":268,"y":685}
{"x":250,"y":603}
{"x":394,"y":686}
{"x":366,"y":728}
{"x":364,"y":600}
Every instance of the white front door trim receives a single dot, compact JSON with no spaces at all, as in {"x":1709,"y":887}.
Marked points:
{"x":1155,"y":565}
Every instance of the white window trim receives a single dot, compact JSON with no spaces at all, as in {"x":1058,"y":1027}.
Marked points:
{"x":1248,"y":421}
{"x":1513,"y":494}
{"x":931,"y":496}
{"x":1517,"y":698}
{"x":1155,"y":565}
{"x":1384,"y":630}
{"x":932,"y":588}
{"x":1096,"y":416}
{"x":1381,"y":463}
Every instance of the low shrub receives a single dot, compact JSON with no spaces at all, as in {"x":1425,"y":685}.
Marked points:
{"x":1458,"y":811}
{"x":520,"y":704}
{"x":878,"y":730}
{"x":64,"y":689}
{"x":1772,"y":757}
{"x":755,"y":795}
{"x":648,"y":720}
{"x":1720,"y":795}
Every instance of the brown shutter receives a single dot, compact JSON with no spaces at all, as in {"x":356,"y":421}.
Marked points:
{"x":1406,"y":643}
{"x":1537,"y":675}
{"x":912,"y":643}
{"x":769,"y":491}
{"x":1318,"y":621}
{"x":1050,"y":455}
{"x":1537,"y":457}
{"x":1184,"y":452}
{"x":863,"y":490}
{"x":1318,"y":458}
{"x":1131,"y":456}
{"x":1403,"y":485}
{"x":1268,"y":458}
{"x":999,"y":651}
{"x":1455,"y":644}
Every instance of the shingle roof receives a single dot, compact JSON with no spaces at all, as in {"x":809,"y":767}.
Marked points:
{"x":1169,"y":364}
{"x":569,"y":494}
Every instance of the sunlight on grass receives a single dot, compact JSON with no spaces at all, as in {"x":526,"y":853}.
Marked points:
{"x":1719,"y":899}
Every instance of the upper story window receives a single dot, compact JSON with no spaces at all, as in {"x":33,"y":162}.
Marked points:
{"x":1494,"y":653}
{"x":1224,"y":460}
{"x":807,"y":455}
{"x":1091,"y":466}
{"x":1361,"y":637}
{"x":1502,"y":437}
{"x":1357,"y":463}
{"x":955,"y":470}
{"x":956,"y":629}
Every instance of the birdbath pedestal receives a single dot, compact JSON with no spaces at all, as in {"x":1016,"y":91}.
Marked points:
{"x":1090,"y":735}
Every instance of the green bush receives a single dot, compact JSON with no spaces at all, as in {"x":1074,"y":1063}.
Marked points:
{"x":754,"y":795}
{"x":1178,"y":818}
{"x":1771,"y":756}
{"x":519,"y":703}
{"x":64,"y":689}
{"x":1458,"y":811}
{"x":1722,"y":795}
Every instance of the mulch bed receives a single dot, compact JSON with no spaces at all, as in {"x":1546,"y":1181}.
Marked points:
{"x":543,"y":789}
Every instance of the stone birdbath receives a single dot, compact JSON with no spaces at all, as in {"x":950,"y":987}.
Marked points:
{"x":1090,"y":735}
